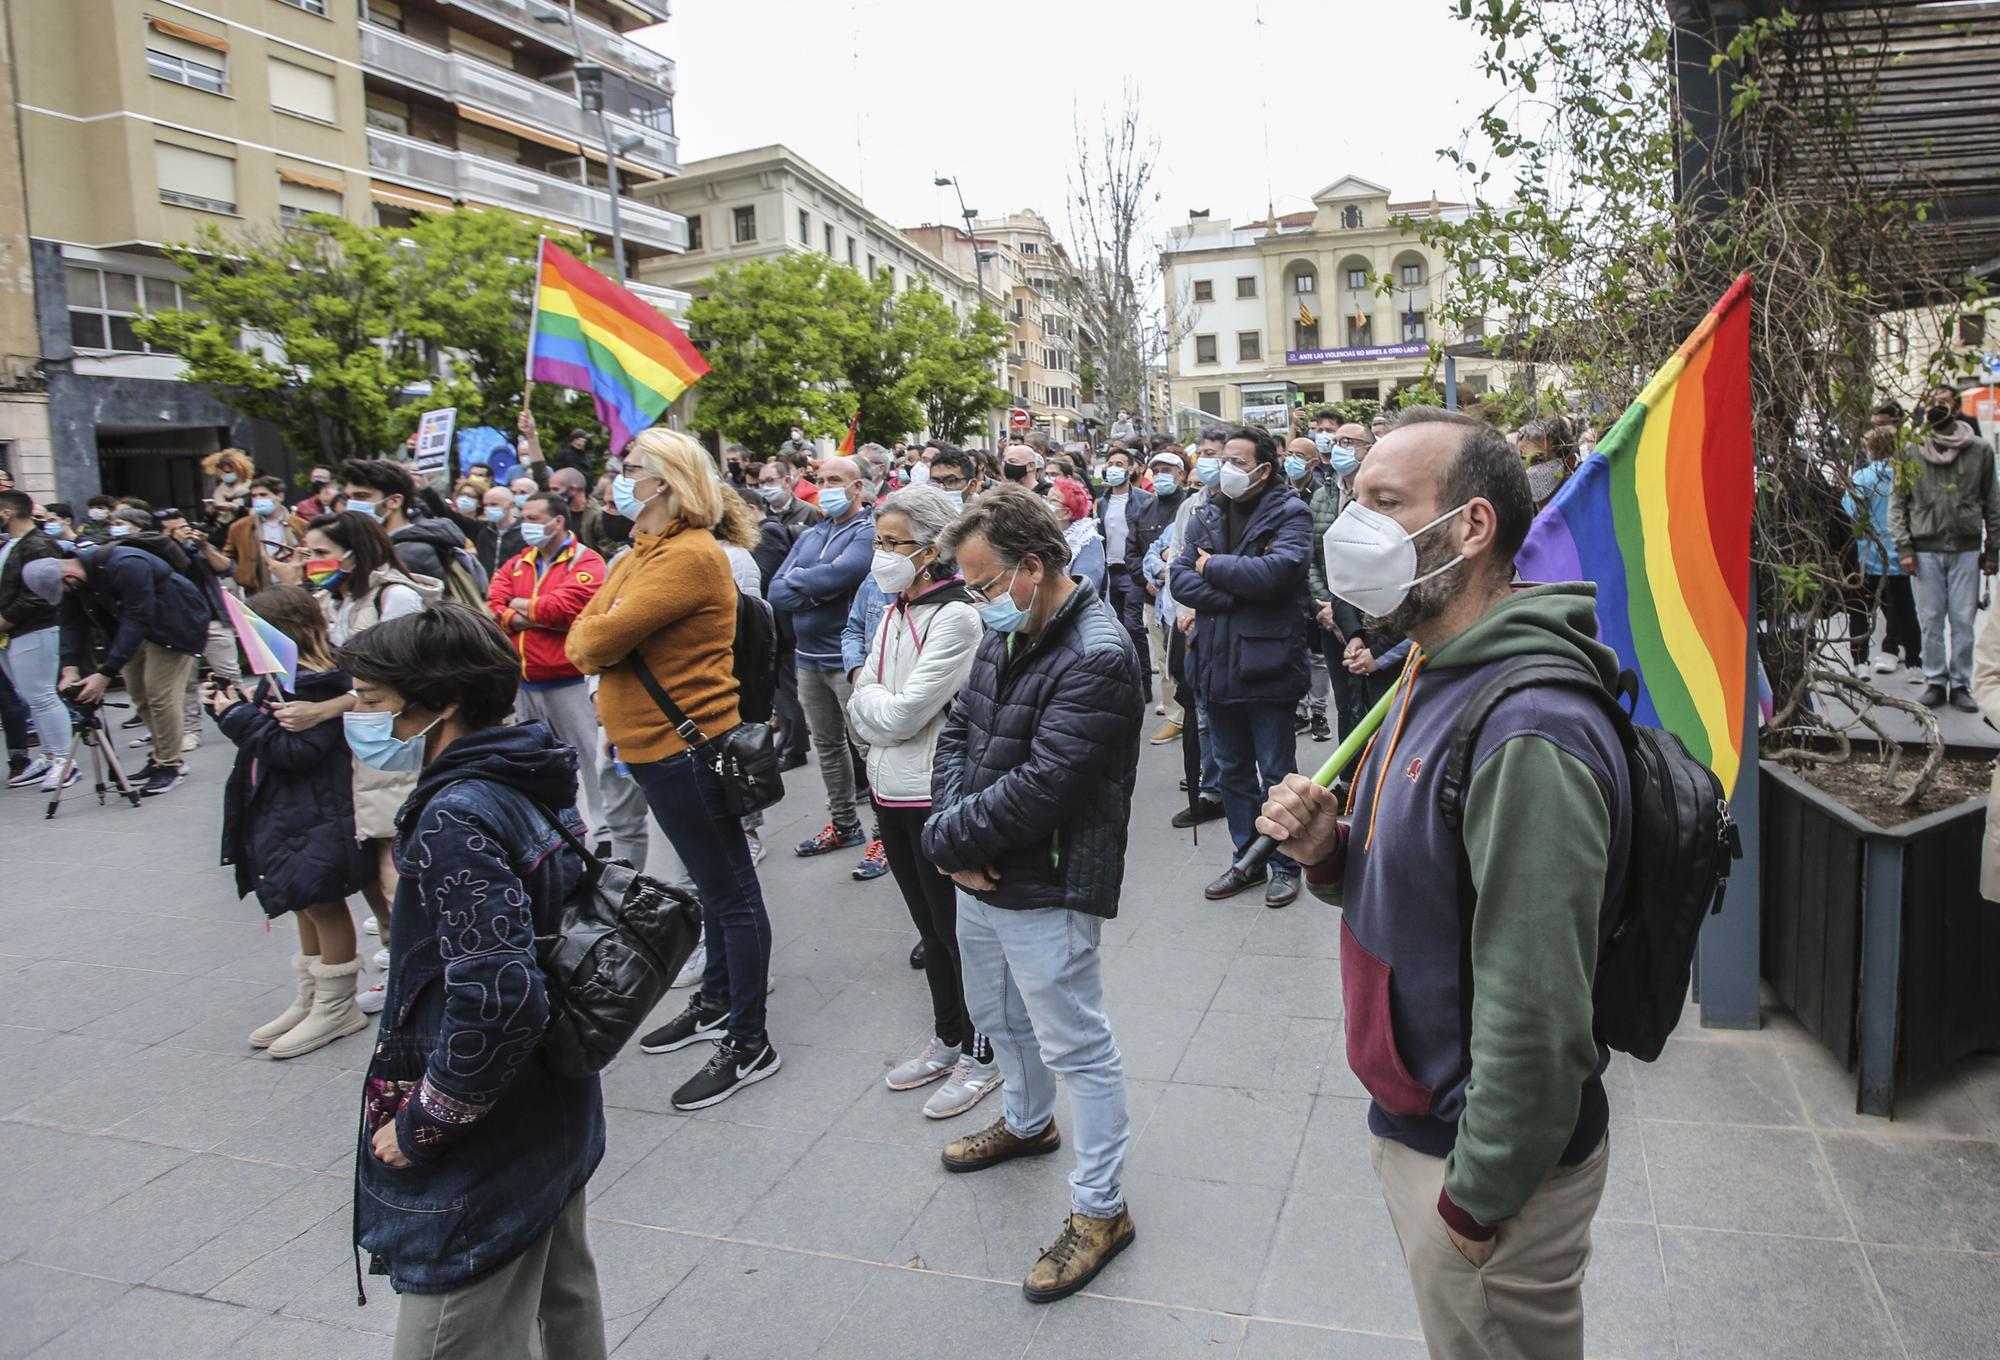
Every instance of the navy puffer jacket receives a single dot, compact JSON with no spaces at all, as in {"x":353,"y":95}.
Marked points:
{"x":289,"y":830}
{"x":1035,"y":766}
{"x":1250,"y":601}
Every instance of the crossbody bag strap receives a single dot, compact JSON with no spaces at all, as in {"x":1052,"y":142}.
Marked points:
{"x":689,"y":733}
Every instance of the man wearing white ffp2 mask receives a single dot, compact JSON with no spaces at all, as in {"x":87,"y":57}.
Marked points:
{"x":1511,"y":1165}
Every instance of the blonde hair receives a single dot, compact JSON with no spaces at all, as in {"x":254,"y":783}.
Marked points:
{"x":739,"y":522}
{"x":689,"y":473}
{"x":229,"y":460}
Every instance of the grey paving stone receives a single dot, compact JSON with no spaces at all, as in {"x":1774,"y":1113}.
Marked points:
{"x":1199,"y":1244}
{"x":878,"y":1326}
{"x":991,"y":1223}
{"x":1735,"y":1295}
{"x":705,"y":1178}
{"x":1087,"y":1326}
{"x":845,"y":1197}
{"x":1185,"y":921}
{"x":1272,"y":984}
{"x":636,"y":1268}
{"x":1333,"y":1158}
{"x":156,"y":1224}
{"x":310,"y":1275}
{"x":838,"y":955}
{"x":309,"y":1124}
{"x":1307,"y":929}
{"x":1946,"y":1304}
{"x":270,"y":1228}
{"x":1749,"y":1180}
{"x":90,"y":1173}
{"x":187,"y":1116}
{"x":157,"y":1325}
{"x":39,"y":1303}
{"x":1625,"y":1294}
{"x":629,"y":1136}
{"x":1271,"y":1052}
{"x":99,"y":1096}
{"x":66,"y":996}
{"x":1718,"y":1081}
{"x":749,"y":1303}
{"x":1152,"y":1038}
{"x":1279,"y":1341}
{"x":1628,"y":1195}
{"x":1944,"y":1107}
{"x":283,"y":1338}
{"x":1919,"y":1192}
{"x":1213,"y":1133}
{"x":1150,"y":976}
{"x":1336,"y":1261}
{"x":877,"y":1015}
{"x":813,"y":1089}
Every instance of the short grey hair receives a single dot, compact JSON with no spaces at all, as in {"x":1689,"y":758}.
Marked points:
{"x":929,"y":511}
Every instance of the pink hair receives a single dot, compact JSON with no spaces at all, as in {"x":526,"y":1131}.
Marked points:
{"x":1075,"y":498}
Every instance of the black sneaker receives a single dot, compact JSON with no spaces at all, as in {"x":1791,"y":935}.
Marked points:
{"x":164,"y":779}
{"x":1320,"y":731}
{"x":917,"y":955}
{"x":733,"y":1067}
{"x":1204,"y":810}
{"x":136,"y":720}
{"x":695,"y":1025}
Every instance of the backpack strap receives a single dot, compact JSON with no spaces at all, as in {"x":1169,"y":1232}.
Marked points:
{"x":593,"y":867}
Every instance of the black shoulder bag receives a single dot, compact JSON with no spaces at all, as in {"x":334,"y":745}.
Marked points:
{"x":745,"y":758}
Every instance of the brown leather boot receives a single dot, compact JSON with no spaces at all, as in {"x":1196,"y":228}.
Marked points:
{"x":995,"y":1144}
{"x":1084,"y":1247}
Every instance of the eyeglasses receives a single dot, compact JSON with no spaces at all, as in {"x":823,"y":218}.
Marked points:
{"x":952,"y":483}
{"x":1348,"y":441}
{"x":636,"y":472}
{"x":884,"y":541}
{"x":983,"y":594}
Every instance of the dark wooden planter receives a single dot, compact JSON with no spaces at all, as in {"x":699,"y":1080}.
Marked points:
{"x":1876,"y":937}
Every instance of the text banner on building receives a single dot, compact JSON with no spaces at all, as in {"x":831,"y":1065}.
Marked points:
{"x":1415,"y":349}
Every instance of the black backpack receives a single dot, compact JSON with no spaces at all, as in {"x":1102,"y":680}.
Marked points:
{"x":1677,"y":866}
{"x":756,"y":658}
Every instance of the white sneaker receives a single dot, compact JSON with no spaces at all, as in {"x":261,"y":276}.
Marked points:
{"x":61,"y":775}
{"x":370,"y":924}
{"x":928,"y":1066}
{"x":691,"y":972}
{"x":33,"y":772}
{"x":373,"y":1000}
{"x":970,"y":1083}
{"x":756,"y":846}
{"x":190,"y":741}
{"x":1886,"y":663}
{"x":381,"y":959}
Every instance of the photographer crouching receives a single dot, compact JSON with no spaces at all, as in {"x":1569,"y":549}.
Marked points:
{"x":157,"y":623}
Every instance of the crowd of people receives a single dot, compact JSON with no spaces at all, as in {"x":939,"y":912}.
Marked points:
{"x":494,"y":675}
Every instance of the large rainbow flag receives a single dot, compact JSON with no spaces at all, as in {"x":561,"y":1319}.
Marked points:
{"x":591,"y":335}
{"x":1659,"y":518}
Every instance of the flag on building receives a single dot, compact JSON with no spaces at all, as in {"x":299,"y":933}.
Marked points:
{"x":1659,"y":518}
{"x":594,"y":336}
{"x":1306,"y":318}
{"x":847,"y":444}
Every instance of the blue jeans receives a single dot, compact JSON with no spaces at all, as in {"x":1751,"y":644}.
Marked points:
{"x":1947,"y":590}
{"x":1033,"y":987}
{"x":686,"y":799}
{"x":1255,"y":747}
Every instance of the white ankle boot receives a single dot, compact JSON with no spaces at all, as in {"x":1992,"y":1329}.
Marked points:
{"x":263,"y":1035}
{"x":333,"y":1013}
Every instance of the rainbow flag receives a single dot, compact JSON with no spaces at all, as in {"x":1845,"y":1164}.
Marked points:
{"x":591,"y":335}
{"x":266,"y":651}
{"x":1659,"y":518}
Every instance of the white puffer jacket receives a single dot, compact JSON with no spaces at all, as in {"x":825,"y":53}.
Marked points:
{"x":916,"y":664}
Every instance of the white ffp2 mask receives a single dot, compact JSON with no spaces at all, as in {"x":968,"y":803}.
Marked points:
{"x":1371,"y":563}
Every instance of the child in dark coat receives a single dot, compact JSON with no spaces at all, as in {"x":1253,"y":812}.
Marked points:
{"x":288,"y":827}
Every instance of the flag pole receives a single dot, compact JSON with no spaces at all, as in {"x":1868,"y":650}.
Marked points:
{"x":534,"y":320}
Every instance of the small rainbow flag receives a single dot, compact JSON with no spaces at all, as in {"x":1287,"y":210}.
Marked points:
{"x":591,"y":335}
{"x":1659,"y":519}
{"x":265,"y":650}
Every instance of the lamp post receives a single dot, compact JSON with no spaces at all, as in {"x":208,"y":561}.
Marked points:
{"x":590,"y":95}
{"x":979,"y":257}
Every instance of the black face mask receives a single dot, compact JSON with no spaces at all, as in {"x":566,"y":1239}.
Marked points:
{"x":617,"y":527}
{"x":1016,"y":472}
{"x":1939,"y":416}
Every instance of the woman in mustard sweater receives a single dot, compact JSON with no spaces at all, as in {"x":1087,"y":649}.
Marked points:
{"x":670,"y":606}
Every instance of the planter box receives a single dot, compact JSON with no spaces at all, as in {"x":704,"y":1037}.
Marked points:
{"x":1876,"y":937}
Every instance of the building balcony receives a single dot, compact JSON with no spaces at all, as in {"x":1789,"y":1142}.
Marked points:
{"x":462,"y":175}
{"x":462,"y":79}
{"x":599,"y":43}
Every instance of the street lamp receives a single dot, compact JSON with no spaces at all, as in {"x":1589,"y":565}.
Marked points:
{"x":590,"y":96}
{"x":979,"y":257}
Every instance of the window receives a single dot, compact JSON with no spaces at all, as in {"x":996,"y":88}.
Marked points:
{"x":384,"y":14}
{"x":871,"y":266}
{"x":1357,"y":279}
{"x":1249,"y":346}
{"x":1350,"y":216}
{"x":1246,"y":287}
{"x":195,"y":179}
{"x":1412,"y":275}
{"x":102,"y":303}
{"x":1305,"y":336}
{"x":1972,"y":329}
{"x":746,"y":225}
{"x":1021,"y":350}
{"x":850,"y":252}
{"x":1209,"y":402}
{"x":388,"y":115}
{"x":1204,"y":349}
{"x":694,"y":231}
{"x":309,"y":6}
{"x":461,"y":41}
{"x":1475,"y":328}
{"x":828,"y":231}
{"x":303,"y":91}
{"x":1306,"y":282}
{"x":1360,"y":331}
{"x":805,"y":228}
{"x":1413,"y":326}
{"x":300,"y":194}
{"x":1204,"y":290}
{"x":187,"y":57}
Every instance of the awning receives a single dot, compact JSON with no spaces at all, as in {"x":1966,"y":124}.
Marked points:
{"x":332,"y":186}
{"x":522,"y":130}
{"x":415,"y":199}
{"x":186,"y":34}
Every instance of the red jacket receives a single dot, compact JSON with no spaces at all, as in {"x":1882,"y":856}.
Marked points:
{"x":555,"y":597}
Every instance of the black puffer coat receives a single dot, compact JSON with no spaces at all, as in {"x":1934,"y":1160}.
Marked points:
{"x":290,"y":832}
{"x":1035,"y":766}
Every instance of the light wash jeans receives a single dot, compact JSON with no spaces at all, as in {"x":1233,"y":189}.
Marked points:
{"x":1947,"y":589}
{"x":32,"y":662}
{"x":1033,"y":987}
{"x":570,"y":714}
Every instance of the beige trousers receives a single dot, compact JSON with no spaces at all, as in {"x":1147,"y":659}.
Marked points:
{"x":1526,"y":1302}
{"x":154,"y":679}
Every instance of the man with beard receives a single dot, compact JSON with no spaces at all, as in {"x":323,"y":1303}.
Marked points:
{"x":1020,"y":465}
{"x":1946,"y":523}
{"x":1243,"y":573}
{"x":1489,"y":1113}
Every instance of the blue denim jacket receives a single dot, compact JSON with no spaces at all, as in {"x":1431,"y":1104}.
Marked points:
{"x":498,"y":1141}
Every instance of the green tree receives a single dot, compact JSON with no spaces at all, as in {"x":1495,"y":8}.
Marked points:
{"x":951,"y":363}
{"x":880,"y":350}
{"x":779,"y":336}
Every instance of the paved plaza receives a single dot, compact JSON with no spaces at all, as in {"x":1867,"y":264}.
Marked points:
{"x":166,"y":1192}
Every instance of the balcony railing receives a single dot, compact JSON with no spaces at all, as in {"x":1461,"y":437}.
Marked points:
{"x":463,"y":175}
{"x":550,"y":105}
{"x":599,"y":42}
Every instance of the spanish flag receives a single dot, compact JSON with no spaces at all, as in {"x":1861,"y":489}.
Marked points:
{"x":847,"y":444}
{"x":1306,"y":318}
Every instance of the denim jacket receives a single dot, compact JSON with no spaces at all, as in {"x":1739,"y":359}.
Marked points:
{"x":498,"y":1142}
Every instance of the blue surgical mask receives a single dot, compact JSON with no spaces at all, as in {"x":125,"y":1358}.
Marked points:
{"x":372,"y":509}
{"x":372,"y":737}
{"x":1295,"y":466}
{"x":495,"y":513}
{"x":1001,"y":614}
{"x":1342,"y":461}
{"x":532,"y":534}
{"x":624,"y":499}
{"x":467,"y":504}
{"x":1323,"y":441}
{"x":772,"y":492}
{"x":52,"y":527}
{"x":120,"y":530}
{"x":1114,"y":476}
{"x":264,"y":505}
{"x":833,"y":501}
{"x":1209,"y":470}
{"x":229,"y":479}
{"x":957,"y":498}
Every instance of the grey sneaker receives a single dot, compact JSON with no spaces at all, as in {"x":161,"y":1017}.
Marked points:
{"x":969,"y":1084}
{"x":935,"y":1061}
{"x":692,"y":971}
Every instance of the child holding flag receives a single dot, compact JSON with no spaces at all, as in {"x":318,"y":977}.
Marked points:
{"x":288,"y":821}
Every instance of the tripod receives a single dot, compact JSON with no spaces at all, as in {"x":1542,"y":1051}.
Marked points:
{"x":87,"y":729}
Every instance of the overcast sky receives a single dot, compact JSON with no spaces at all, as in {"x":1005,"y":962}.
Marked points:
{"x":883,"y":93}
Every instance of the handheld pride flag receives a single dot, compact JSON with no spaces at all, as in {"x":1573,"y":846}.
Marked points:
{"x":591,"y":335}
{"x":1659,"y":518}
{"x":266,"y":650}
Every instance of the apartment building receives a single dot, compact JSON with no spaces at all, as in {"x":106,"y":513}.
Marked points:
{"x":1046,"y":343}
{"x":1335,"y":303}
{"x":144,"y":120}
